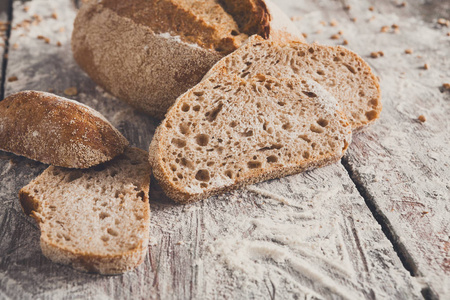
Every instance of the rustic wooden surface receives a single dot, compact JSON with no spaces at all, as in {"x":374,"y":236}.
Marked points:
{"x":349,"y":231}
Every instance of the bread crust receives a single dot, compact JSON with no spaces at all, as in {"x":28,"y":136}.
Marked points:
{"x":145,"y":69}
{"x":57,"y":131}
{"x":85,"y":261}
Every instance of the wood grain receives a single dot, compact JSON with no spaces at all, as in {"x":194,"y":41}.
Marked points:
{"x":308,"y":236}
{"x":400,"y":164}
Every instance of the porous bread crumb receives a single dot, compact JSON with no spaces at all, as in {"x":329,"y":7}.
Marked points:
{"x":16,"y":46}
{"x":333,"y":23}
{"x":381,"y":53}
{"x":58,"y":43}
{"x":341,"y":32}
{"x":71,"y":91}
{"x":12,"y":79}
{"x":446,"y":86}
{"x":40,"y":37}
{"x":47,"y":40}
{"x":345,"y":42}
{"x":375,"y":54}
{"x":347,"y":7}
{"x":384,"y":29}
{"x":422,"y":118}
{"x":426,"y":66}
{"x":335,"y":37}
{"x":54,"y":15}
{"x":354,"y":19}
{"x":409,"y":51}
{"x":371,"y":8}
{"x":403,"y":4}
{"x":305,"y":35}
{"x":26,"y":8}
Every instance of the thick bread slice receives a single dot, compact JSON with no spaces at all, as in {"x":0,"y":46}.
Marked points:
{"x":95,"y":220}
{"x":228,"y":132}
{"x":342,"y":72}
{"x":172,"y":46}
{"x":57,"y":131}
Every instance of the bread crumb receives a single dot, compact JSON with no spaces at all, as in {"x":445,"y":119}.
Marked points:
{"x":347,"y":7}
{"x":72,"y":91}
{"x":323,"y":23}
{"x":448,"y":33}
{"x":403,"y":4}
{"x":353,"y":20}
{"x":16,"y":46}
{"x":371,"y":8}
{"x":55,"y":15}
{"x":40,"y":37}
{"x":395,"y":26}
{"x":381,"y":53}
{"x":426,"y":66}
{"x":62,"y":29}
{"x":58,"y":43}
{"x":296,"y":18}
{"x":180,"y":243}
{"x":340,"y":32}
{"x":446,"y":86}
{"x":374,"y":54}
{"x":409,"y":51}
{"x":26,"y":8}
{"x":345,"y":42}
{"x":372,"y":18}
{"x":384,"y":29}
{"x":443,"y":22}
{"x":333,"y":23}
{"x":422,"y":118}
{"x":335,"y":37}
{"x":47,"y":40}
{"x":12,"y":79}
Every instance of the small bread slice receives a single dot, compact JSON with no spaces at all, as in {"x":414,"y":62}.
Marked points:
{"x":228,"y":132}
{"x":342,"y":72}
{"x":96,"y":220}
{"x":57,"y":131}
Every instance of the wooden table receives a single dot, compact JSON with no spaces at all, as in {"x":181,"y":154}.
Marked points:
{"x":374,"y":226}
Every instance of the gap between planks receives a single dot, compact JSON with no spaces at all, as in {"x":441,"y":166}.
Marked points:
{"x":9,"y":10}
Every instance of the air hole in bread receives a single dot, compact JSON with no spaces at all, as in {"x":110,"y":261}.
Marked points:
{"x":212,"y":115}
{"x":361,"y":93}
{"x":199,"y":93}
{"x":73,"y":176}
{"x":306,"y":154}
{"x":323,"y":122}
{"x":233,"y":124}
{"x":202,"y":139}
{"x":112,"y":232}
{"x":254,"y":164}
{"x":138,"y":217}
{"x":234,"y":33}
{"x":280,"y":103}
{"x":311,"y":50}
{"x":337,"y":58}
{"x":350,"y":68}
{"x":309,"y":94}
{"x":229,"y":174}
{"x":187,"y":163}
{"x":179,"y":143}
{"x":103,"y":215}
{"x":173,"y":168}
{"x":203,"y":185}
{"x":180,"y":176}
{"x":247,"y":133}
{"x":105,"y":238}
{"x":301,"y":53}
{"x":272,"y":159}
{"x":287,"y":126}
{"x":342,"y":53}
{"x":316,"y":129}
{"x":140,"y":195}
{"x":371,"y":115}
{"x":305,"y":138}
{"x":185,"y":107}
{"x":210,"y":163}
{"x":184,"y":128}
{"x":202,"y":175}
{"x":373,"y":102}
{"x":196,"y":108}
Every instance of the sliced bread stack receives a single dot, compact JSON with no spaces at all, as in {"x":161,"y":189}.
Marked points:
{"x":92,"y":204}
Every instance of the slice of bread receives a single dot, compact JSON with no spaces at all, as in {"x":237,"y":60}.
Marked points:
{"x":57,"y":131}
{"x":174,"y":43}
{"x":96,"y":220}
{"x":342,"y":72}
{"x":228,"y":132}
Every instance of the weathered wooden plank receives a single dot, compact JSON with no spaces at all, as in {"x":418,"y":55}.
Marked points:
{"x":308,"y":236}
{"x":401,"y":164}
{"x":4,"y":26}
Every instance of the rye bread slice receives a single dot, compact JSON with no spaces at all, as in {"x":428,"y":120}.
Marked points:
{"x":96,"y":220}
{"x":57,"y":131}
{"x":342,"y":72}
{"x":228,"y":132}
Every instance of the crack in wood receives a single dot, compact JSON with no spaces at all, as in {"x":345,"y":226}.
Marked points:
{"x":9,"y":11}
{"x":405,"y":257}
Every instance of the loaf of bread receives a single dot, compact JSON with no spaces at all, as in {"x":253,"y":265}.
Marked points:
{"x":229,"y":131}
{"x":342,"y":72}
{"x":148,"y":52}
{"x":57,"y":131}
{"x":95,"y":220}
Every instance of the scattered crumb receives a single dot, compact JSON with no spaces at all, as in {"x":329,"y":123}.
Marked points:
{"x":62,"y":29}
{"x":422,"y":118}
{"x":444,"y":22}
{"x":335,"y":37}
{"x":395,"y":26}
{"x":425,"y":212}
{"x":340,"y":32}
{"x":409,"y":51}
{"x":426,"y":66}
{"x":319,"y":31}
{"x":347,"y":7}
{"x":345,"y":42}
{"x":58,"y":43}
{"x":55,"y":15}
{"x":72,"y":91}
{"x":371,"y":8}
{"x":26,"y":8}
{"x":323,"y":23}
{"x":374,"y":54}
{"x":384,"y":29}
{"x":47,"y":40}
{"x":372,"y":18}
{"x":180,"y":243}
{"x":403,"y":4}
{"x":40,"y":37}
{"x":381,"y":53}
{"x":305,"y":35}
{"x":12,"y":79}
{"x":448,"y":33}
{"x":446,"y":86}
{"x":15,"y":46}
{"x":353,"y":20}
{"x":333,"y":23}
